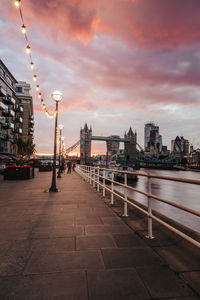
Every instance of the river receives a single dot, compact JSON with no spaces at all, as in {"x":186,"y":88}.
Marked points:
{"x":182,"y":193}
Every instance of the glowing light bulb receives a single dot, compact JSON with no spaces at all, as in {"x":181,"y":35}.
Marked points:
{"x":37,"y":87}
{"x":28,"y":49}
{"x":34,"y":77}
{"x":39,"y":95}
{"x":44,"y":106}
{"x":23,"y":28}
{"x":32,"y":65}
{"x":17,"y":3}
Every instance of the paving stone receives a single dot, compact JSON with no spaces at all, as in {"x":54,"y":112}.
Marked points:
{"x":179,"y":256}
{"x":128,"y":240}
{"x":48,"y":232}
{"x":116,"y":285}
{"x":112,"y":220}
{"x":47,"y":262}
{"x":94,"y":242}
{"x":53,"y":244}
{"x":60,"y":286}
{"x":130,"y":257}
{"x":162,"y":282}
{"x":193,"y":279}
{"x":13,"y":234}
{"x":102,"y":229}
{"x":183,"y":298}
{"x":13,"y":262}
{"x":162,"y":237}
{"x":82,"y":220}
{"x":4,"y":246}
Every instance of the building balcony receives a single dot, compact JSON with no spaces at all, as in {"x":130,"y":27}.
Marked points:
{"x":8,"y":113}
{"x":2,"y":91}
{"x":3,"y":136}
{"x":18,"y":108}
{"x":11,"y":138}
{"x":7,"y":125}
{"x":3,"y":106}
{"x":18,"y":130}
{"x":2,"y":120}
{"x":18,"y":120}
{"x":8,"y":100}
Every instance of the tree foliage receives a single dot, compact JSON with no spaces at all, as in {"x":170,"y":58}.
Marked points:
{"x":25,"y":147}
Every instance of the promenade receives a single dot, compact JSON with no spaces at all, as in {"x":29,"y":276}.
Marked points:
{"x":71,"y":245}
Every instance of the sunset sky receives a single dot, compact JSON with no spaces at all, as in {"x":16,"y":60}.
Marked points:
{"x":119,"y":63}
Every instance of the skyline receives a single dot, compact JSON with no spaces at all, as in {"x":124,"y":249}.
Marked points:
{"x":118,"y":65}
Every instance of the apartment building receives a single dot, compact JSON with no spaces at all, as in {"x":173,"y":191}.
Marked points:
{"x":16,"y":113}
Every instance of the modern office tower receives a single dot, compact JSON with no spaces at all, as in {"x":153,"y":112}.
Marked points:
{"x":180,"y":146}
{"x":112,"y":146}
{"x":9,"y":129}
{"x":23,"y":92}
{"x":151,"y":131}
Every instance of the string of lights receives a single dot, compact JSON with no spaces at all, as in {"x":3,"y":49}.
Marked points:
{"x":18,"y":4}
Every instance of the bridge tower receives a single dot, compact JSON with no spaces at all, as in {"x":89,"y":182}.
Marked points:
{"x":85,"y":144}
{"x":130,"y":146}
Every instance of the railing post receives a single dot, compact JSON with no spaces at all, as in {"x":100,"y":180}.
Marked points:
{"x":150,"y":234}
{"x":104,"y":183}
{"x":94,"y":177}
{"x":112,"y":188}
{"x":125,"y":196}
{"x":98,"y":179}
{"x":90,"y":174}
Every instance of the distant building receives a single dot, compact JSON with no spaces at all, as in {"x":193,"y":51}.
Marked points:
{"x":152,"y":139}
{"x":9,"y":126}
{"x":130,"y":152}
{"x":112,"y":147}
{"x":180,"y":146}
{"x":150,"y":130}
{"x":85,"y":144}
{"x":23,"y":92}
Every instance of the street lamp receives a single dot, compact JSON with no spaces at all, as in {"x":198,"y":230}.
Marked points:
{"x":57,"y":97}
{"x":62,"y":154}
{"x":60,"y":127}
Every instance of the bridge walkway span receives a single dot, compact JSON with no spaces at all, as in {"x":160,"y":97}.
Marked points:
{"x":72,"y":245}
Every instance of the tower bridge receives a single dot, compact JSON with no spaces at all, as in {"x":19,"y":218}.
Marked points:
{"x":133,"y":152}
{"x":86,"y":138}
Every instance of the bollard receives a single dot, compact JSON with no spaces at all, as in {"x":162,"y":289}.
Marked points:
{"x":150,"y":234}
{"x":125,"y":196}
{"x":112,"y":189}
{"x":104,"y":183}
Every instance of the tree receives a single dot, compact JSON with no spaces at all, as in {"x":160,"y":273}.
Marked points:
{"x":25,"y":147}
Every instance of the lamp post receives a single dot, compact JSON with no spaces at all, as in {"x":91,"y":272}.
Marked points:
{"x":60,"y":127}
{"x":62,"y":147}
{"x":57,"y":97}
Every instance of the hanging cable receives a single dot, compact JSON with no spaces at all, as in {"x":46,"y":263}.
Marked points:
{"x":18,"y":4}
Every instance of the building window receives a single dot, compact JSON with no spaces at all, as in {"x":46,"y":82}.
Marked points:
{"x":19,"y":89}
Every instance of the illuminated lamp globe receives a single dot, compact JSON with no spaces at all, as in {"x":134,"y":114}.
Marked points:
{"x":62,"y":138}
{"x":57,"y":96}
{"x":60,"y":127}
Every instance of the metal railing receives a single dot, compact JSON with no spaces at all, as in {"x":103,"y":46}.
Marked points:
{"x":93,"y":175}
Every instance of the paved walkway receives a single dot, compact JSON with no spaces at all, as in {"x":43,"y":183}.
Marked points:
{"x":71,"y":245}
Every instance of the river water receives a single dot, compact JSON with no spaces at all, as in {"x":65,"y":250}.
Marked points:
{"x":185,"y":194}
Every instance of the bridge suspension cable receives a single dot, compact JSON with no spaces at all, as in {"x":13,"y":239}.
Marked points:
{"x":70,"y":149}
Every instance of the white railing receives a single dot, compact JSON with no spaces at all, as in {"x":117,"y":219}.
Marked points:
{"x":93,"y":175}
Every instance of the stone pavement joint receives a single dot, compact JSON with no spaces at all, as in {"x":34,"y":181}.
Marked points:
{"x":72,"y":245}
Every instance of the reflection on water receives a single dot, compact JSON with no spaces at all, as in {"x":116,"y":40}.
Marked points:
{"x":182,"y":193}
